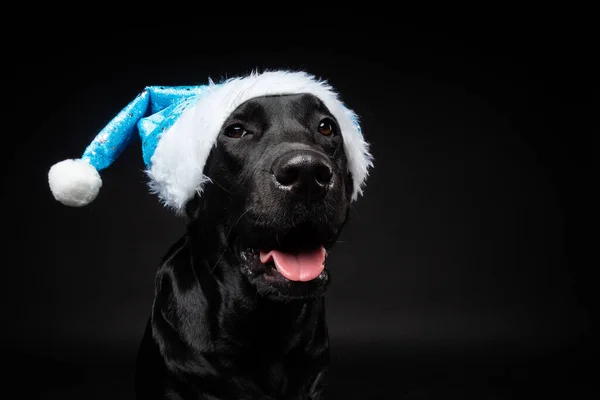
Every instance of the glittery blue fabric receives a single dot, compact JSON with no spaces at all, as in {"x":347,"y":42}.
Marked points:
{"x":152,"y":112}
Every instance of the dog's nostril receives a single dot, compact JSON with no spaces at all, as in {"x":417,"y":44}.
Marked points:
{"x":287,"y":174}
{"x":323,"y":174}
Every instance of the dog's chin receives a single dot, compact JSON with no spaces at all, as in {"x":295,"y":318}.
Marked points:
{"x":270,"y":280}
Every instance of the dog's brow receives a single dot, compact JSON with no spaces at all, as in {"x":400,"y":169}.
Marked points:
{"x":314,"y":101}
{"x":248,"y":112}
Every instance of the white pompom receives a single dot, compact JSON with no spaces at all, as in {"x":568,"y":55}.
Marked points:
{"x":74,"y":183}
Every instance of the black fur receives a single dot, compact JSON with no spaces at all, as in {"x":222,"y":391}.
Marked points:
{"x":223,"y":325}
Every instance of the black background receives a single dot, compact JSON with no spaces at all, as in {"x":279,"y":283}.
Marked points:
{"x":462,"y":272}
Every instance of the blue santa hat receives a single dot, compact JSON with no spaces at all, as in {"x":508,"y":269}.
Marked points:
{"x":178,"y":127}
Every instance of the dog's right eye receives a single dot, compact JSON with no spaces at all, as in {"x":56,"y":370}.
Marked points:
{"x":235,"y":131}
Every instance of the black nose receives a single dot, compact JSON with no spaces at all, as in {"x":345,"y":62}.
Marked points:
{"x":304,"y":173}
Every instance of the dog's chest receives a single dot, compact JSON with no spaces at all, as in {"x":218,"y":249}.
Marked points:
{"x":272,"y":347}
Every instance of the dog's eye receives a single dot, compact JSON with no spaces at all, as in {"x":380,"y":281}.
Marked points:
{"x":326,"y":127}
{"x":236,"y":131}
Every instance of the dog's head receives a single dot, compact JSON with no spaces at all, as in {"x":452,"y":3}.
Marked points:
{"x":280,"y":192}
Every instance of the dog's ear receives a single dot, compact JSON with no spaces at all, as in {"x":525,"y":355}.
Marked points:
{"x":192,"y":207}
{"x":349,"y":187}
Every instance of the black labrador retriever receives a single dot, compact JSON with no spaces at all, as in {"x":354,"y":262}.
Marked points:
{"x":239,"y":310}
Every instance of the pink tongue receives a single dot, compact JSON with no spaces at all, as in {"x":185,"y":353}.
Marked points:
{"x":304,"y":266}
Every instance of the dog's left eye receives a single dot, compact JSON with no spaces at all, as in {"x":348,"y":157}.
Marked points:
{"x":236,"y":131}
{"x":326,"y":127}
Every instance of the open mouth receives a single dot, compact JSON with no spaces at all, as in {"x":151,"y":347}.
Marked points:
{"x":289,"y":268}
{"x":302,"y":266}
{"x":288,"y":263}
